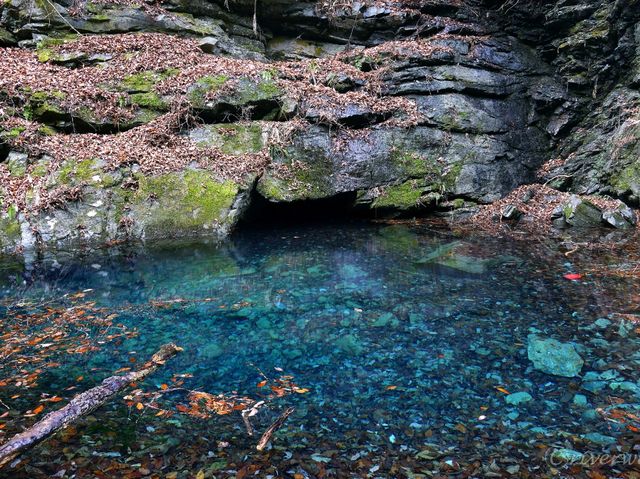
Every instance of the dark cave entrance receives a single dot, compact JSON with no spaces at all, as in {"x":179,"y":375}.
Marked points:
{"x":335,"y":209}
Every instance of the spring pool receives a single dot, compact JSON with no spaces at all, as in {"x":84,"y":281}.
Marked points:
{"x":411,"y":347}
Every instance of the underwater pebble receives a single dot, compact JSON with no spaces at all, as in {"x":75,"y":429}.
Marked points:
{"x":566,"y":455}
{"x":602,"y":323}
{"x":590,"y":415}
{"x":518,"y":398}
{"x":624,"y":386}
{"x":600,"y":439}
{"x":580,"y":400}
{"x":319,"y":458}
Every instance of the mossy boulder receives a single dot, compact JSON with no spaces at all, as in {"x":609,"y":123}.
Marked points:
{"x":395,"y":168}
{"x":10,"y":230}
{"x":84,"y":172}
{"x":6,"y":38}
{"x":299,"y":180}
{"x":246,"y":98}
{"x":44,"y":106}
{"x":190,"y":203}
{"x":624,"y":159}
{"x":402,"y":197}
{"x":205,"y":86}
{"x":17,"y":163}
{"x":621,"y":217}
{"x":581,"y":213}
{"x":149,"y":101}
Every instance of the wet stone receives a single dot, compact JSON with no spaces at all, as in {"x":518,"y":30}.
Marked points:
{"x":553,"y":357}
{"x":600,"y":439}
{"x":580,"y":400}
{"x":602,"y":323}
{"x":518,"y":398}
{"x":566,"y":455}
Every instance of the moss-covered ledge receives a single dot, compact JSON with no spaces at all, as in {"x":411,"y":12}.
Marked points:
{"x":127,"y":205}
{"x":190,"y":203}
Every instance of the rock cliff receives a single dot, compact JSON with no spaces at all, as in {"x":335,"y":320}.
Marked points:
{"x":132,"y":119}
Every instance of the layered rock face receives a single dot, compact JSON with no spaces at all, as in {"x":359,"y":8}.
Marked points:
{"x":121,"y":119}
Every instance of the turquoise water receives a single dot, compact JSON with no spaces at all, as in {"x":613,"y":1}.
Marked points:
{"x":407,"y":338}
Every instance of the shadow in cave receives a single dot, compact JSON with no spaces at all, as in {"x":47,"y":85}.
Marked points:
{"x":266,"y":214}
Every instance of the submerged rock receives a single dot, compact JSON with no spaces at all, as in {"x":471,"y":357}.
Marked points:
{"x":518,"y":398}
{"x":553,"y":357}
{"x":600,"y":439}
{"x":349,"y":344}
{"x":602,"y":323}
{"x":566,"y":455}
{"x":580,"y":400}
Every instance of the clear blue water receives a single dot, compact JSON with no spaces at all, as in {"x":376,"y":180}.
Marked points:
{"x":406,"y":337}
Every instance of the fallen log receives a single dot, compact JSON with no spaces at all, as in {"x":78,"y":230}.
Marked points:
{"x":266,"y":437}
{"x":81,"y":405}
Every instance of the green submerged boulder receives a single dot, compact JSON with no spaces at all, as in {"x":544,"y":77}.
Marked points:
{"x":553,"y":357}
{"x":518,"y":398}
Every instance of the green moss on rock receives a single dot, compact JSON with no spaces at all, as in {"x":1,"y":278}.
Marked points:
{"x":232,"y":139}
{"x":250,"y":92}
{"x":206,"y":84}
{"x":404,"y":196}
{"x":40,"y":169}
{"x":412,"y":164}
{"x":44,"y":49}
{"x":627,"y":180}
{"x":14,"y":132}
{"x":6,"y":38}
{"x":310,"y":179}
{"x":73,"y":172}
{"x":149,"y":100}
{"x":44,"y":55}
{"x":10,"y":231}
{"x":177,"y":204}
{"x":44,"y":106}
{"x":145,"y":81}
{"x":46,"y":130}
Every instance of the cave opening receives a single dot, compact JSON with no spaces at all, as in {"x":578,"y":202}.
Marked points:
{"x":264,"y":213}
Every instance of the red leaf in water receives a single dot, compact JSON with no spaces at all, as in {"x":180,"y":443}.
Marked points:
{"x":573,"y":276}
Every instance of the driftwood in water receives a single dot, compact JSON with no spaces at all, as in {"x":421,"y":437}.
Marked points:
{"x":81,"y":405}
{"x":273,"y":428}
